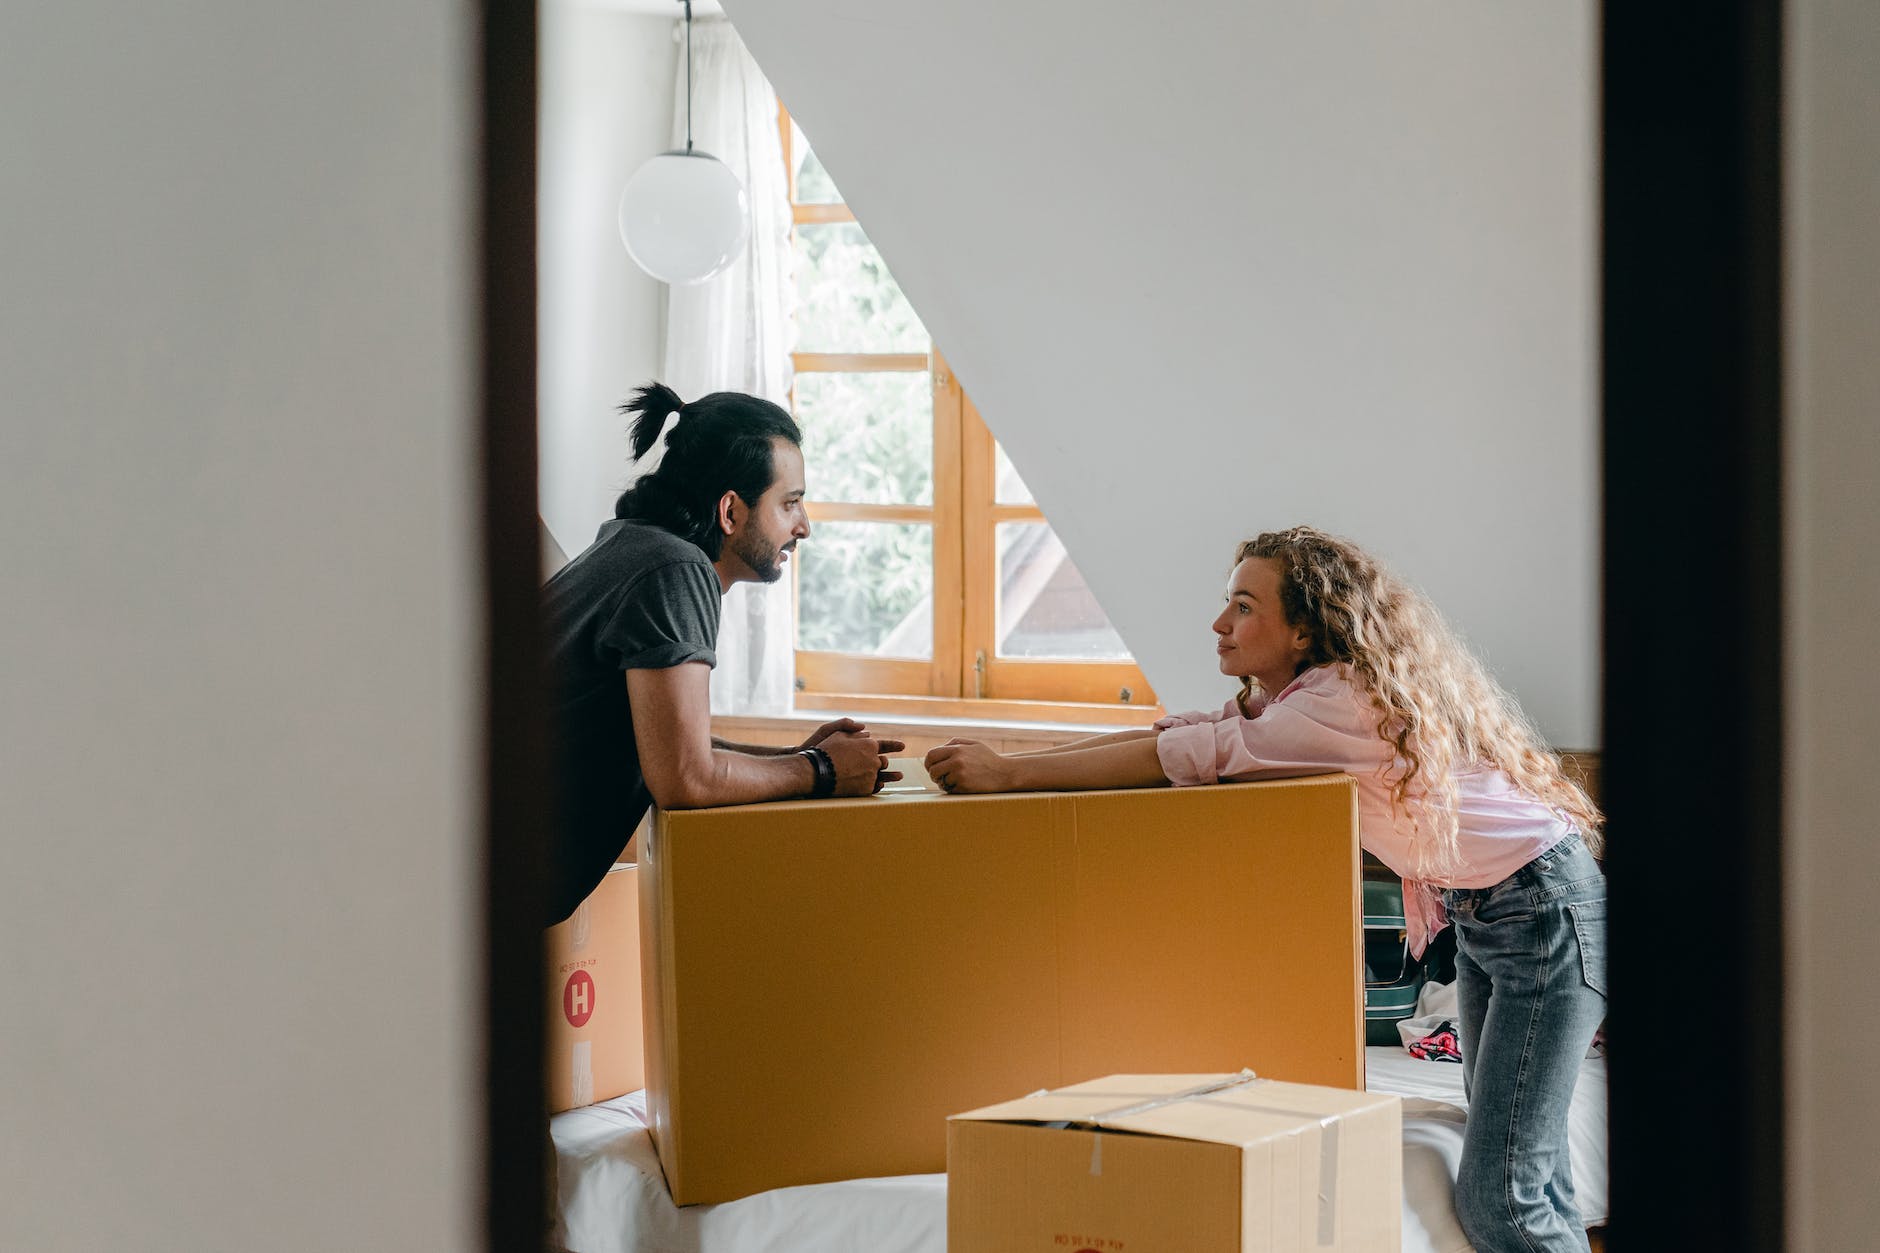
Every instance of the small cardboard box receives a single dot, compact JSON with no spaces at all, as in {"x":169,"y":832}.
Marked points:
{"x":595,"y":1051}
{"x":1199,"y":1163}
{"x":826,"y":981}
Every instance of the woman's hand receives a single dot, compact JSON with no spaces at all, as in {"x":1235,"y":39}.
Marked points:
{"x":1127,"y":760}
{"x":969,"y":766}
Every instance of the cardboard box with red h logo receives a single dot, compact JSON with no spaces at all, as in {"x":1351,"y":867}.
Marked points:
{"x":594,"y":1050}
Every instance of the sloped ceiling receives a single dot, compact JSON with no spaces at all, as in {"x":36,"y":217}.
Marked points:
{"x":1224,"y":267}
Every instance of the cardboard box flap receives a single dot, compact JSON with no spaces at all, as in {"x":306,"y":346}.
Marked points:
{"x":1237,"y":1110}
{"x":1085,"y":1102}
{"x":1300,"y":1099}
{"x":1247,"y":1113}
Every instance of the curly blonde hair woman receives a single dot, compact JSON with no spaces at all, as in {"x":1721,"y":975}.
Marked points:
{"x":1436,"y":705}
{"x":1345,"y":667}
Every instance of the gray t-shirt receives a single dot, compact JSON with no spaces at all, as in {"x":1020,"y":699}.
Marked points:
{"x":639,"y":598}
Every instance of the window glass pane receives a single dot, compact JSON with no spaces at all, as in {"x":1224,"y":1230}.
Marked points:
{"x":1045,"y":610}
{"x":1011,"y":489}
{"x":867,"y":438}
{"x":847,"y":300}
{"x":866,"y":587}
{"x":813,"y":184}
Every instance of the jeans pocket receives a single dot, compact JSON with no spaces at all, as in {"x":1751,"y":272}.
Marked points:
{"x":1510,"y":901}
{"x":1589,"y":929}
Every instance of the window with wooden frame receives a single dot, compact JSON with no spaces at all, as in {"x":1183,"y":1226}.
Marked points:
{"x":932,"y":582}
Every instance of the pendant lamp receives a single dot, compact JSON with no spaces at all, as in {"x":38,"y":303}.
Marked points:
{"x":684,"y":215}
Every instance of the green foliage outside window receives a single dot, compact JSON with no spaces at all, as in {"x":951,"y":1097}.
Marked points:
{"x":866,"y":587}
{"x":867,"y":438}
{"x":847,"y":301}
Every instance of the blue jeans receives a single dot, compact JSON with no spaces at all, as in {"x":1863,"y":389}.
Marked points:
{"x":1531,"y":981}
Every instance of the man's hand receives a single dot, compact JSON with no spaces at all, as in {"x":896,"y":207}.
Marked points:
{"x":969,"y":766}
{"x":861,"y":765}
{"x":827,"y":729}
{"x":852,"y":727}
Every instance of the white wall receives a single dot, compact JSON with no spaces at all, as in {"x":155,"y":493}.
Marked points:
{"x":1832,"y":617}
{"x":238,"y":604}
{"x":1222,"y":267}
{"x":607,"y":85}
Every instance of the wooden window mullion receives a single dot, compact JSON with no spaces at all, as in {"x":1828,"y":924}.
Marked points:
{"x":977,"y":490}
{"x":949,"y":554}
{"x":789,"y":153}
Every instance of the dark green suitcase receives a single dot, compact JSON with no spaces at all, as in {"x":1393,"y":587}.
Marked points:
{"x":1392,"y":978}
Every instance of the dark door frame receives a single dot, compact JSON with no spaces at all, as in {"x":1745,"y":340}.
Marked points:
{"x":1692,"y":623}
{"x":1692,"y":557}
{"x":515,"y":759}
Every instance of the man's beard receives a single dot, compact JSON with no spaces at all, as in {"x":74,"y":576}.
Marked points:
{"x":765,"y":560}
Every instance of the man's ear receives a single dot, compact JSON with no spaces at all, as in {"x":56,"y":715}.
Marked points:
{"x":728,"y":508}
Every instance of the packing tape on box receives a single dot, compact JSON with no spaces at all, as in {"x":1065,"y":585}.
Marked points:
{"x":1143,"y":1106}
{"x":1148,"y":1102}
{"x":1328,"y":1163}
{"x":1328,"y":1138}
{"x":581,"y":1063}
{"x":1328,"y":1182}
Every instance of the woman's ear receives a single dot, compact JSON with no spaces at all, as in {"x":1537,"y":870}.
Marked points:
{"x":728,"y":506}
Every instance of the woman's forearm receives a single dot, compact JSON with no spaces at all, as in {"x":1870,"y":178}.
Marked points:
{"x":1125,"y":760}
{"x":1093,"y":741}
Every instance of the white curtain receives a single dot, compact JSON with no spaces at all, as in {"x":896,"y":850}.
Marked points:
{"x":733,"y":332}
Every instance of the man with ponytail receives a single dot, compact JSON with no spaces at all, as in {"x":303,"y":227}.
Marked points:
{"x":633,"y":625}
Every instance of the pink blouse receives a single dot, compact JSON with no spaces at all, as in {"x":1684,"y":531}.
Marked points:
{"x":1321,"y":723}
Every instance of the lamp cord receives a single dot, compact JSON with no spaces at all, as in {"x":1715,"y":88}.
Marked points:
{"x":688,"y":75}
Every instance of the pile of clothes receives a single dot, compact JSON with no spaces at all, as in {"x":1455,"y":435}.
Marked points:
{"x":1434,"y":1034}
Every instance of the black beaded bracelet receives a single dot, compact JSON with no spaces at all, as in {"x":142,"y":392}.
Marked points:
{"x":825,"y":784}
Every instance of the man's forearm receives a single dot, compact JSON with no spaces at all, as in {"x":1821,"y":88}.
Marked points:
{"x":685,"y":767}
{"x":739,"y":778}
{"x":753,"y":750}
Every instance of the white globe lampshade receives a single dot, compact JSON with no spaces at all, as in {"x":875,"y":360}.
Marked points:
{"x":684,"y":217}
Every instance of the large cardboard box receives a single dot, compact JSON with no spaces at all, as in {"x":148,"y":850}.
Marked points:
{"x":1200,"y":1163}
{"x":825,"y":982}
{"x":595,"y":1045}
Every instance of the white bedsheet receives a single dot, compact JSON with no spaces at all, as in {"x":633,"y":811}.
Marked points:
{"x":614,"y":1199}
{"x":1433,"y":1115}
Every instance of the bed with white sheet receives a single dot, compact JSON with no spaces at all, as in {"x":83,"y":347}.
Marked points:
{"x":613,"y":1197}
